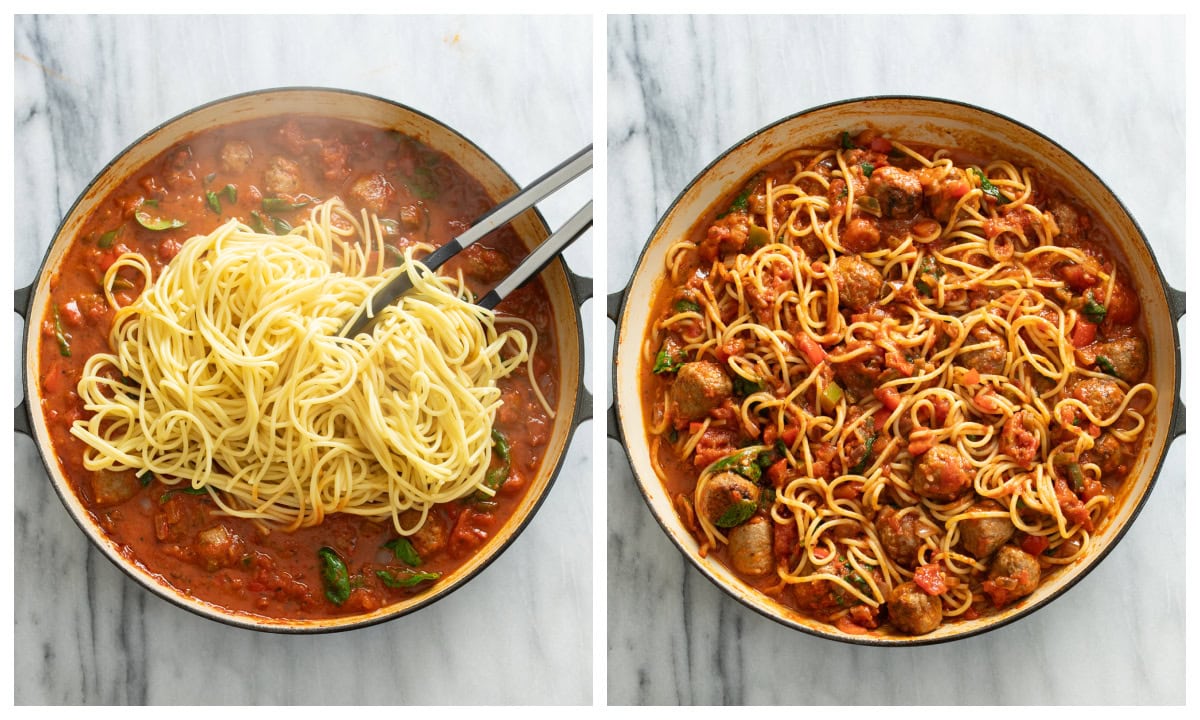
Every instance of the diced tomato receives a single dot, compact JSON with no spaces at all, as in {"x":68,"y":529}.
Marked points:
{"x":931,"y":579}
{"x":789,"y":435}
{"x":849,"y":490}
{"x":1078,"y":277}
{"x":1035,"y":544}
{"x":814,"y":352}
{"x":881,"y":145}
{"x":1073,"y":509}
{"x":820,"y":553}
{"x":971,"y":377}
{"x":941,"y":408}
{"x":895,"y":361}
{"x":1091,"y":488}
{"x":1084,"y":334}
{"x":69,"y":312}
{"x":881,"y":417}
{"x":920,"y":446}
{"x":168,"y":249}
{"x":770,"y":433}
{"x":777,"y":473}
{"x":889,"y":396}
{"x":984,"y":401}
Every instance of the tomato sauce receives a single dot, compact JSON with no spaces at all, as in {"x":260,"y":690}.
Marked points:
{"x":267,"y":173}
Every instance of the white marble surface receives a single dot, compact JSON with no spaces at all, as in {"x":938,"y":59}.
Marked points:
{"x":680,"y":91}
{"x":521,"y":631}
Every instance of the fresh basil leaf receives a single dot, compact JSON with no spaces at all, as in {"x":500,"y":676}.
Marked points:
{"x":107,"y":239}
{"x":664,"y":362}
{"x":1094,"y":310}
{"x":214,"y":202}
{"x":150,"y":222}
{"x":743,"y":387}
{"x":335,"y":576}
{"x":405,"y":580}
{"x":846,"y":142}
{"x":867,"y":169}
{"x":1106,"y":366}
{"x":686,"y":306}
{"x":145,"y":477}
{"x":404,"y":551}
{"x":736,"y":514}
{"x":991,"y":190}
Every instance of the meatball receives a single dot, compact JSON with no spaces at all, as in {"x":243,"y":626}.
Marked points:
{"x":1014,"y":574}
{"x":1126,"y":355}
{"x":942,"y":473}
{"x":1108,"y":453}
{"x":1019,"y":439}
{"x":858,"y":281}
{"x":980,"y":536}
{"x":372,"y":192}
{"x":898,"y":191}
{"x":861,"y":235}
{"x":1101,"y":395}
{"x":912,"y":610}
{"x":699,"y":388}
{"x":987,"y":360}
{"x":824,"y":597}
{"x":431,"y":537}
{"x":236,"y":156}
{"x":860,"y":375}
{"x":1072,"y":226}
{"x":750,"y":547}
{"x":898,"y":534}
{"x":943,"y":190}
{"x":724,"y":491}
{"x":283,"y":176}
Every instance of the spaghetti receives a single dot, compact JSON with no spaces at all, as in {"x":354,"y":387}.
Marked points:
{"x":227,"y":376}
{"x":889,"y":383}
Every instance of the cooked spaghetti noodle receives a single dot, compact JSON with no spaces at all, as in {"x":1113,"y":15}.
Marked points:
{"x":227,"y":375}
{"x":891,"y":383}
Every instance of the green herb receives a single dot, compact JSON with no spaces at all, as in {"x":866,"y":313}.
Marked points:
{"x":665,"y":362}
{"x":741,"y":203}
{"x":496,"y":477}
{"x":256,"y":223}
{"x":845,"y":191}
{"x":859,"y":580}
{"x":867,"y":169}
{"x":404,"y":551}
{"x":107,"y":239}
{"x":686,"y":306}
{"x":423,"y":183}
{"x":405,"y":580}
{"x":864,"y":463}
{"x":736,"y":514}
{"x":274,"y":205}
{"x":991,"y":190}
{"x":64,"y":342}
{"x":1094,"y":310}
{"x":230,"y":192}
{"x":335,"y":575}
{"x":744,"y":462}
{"x":743,"y":387}
{"x":928,"y":266}
{"x":214,"y":202}
{"x":1106,"y":366}
{"x":846,"y":142}
{"x":868,"y":203}
{"x":281,"y":226}
{"x":145,"y":477}
{"x":182,"y":491}
{"x":154,"y":223}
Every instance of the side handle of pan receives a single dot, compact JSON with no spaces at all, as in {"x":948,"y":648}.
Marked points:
{"x":21,"y":411}
{"x":581,"y":289}
{"x":616,"y":301}
{"x":1177,"y":304}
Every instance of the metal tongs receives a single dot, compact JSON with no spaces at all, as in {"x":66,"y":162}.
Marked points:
{"x":541,"y":256}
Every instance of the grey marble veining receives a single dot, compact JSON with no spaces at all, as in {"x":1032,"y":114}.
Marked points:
{"x":683,"y":89}
{"x":85,"y":87}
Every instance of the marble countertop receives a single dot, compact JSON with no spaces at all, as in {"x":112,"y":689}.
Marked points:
{"x":683,"y":89}
{"x":518,"y":633}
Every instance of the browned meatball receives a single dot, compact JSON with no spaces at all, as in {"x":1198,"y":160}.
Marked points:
{"x":1126,"y":355}
{"x":942,"y":473}
{"x":724,"y":491}
{"x":699,"y":388}
{"x":982,"y":535}
{"x":824,"y":597}
{"x":861,"y":235}
{"x":750,"y":547}
{"x":860,"y":375}
{"x":236,"y":156}
{"x":372,"y":191}
{"x":1101,"y":395}
{"x":913,"y":611}
{"x":943,"y":190}
{"x":988,"y":360}
{"x":283,"y":176}
{"x":1108,"y":453}
{"x":1072,"y":225}
{"x":431,"y":537}
{"x":898,"y":534}
{"x":898,"y":191}
{"x":858,"y":281}
{"x":1014,"y":574}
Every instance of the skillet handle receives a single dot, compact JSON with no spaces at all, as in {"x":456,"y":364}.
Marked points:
{"x":1177,"y":304}
{"x":581,"y":290}
{"x":616,"y":301}
{"x":21,"y":411}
